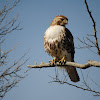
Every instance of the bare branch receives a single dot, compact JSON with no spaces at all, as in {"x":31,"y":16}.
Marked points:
{"x":94,"y":28}
{"x":8,"y":26}
{"x":5,"y":9}
{"x":79,"y":87}
{"x":82,"y":66}
{"x":87,"y":45}
{"x":11,"y":74}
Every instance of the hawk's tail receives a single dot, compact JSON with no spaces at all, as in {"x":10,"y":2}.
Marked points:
{"x":72,"y":72}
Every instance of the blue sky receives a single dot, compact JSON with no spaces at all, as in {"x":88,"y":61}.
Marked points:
{"x":35,"y":17}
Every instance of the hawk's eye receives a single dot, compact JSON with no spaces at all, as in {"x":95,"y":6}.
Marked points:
{"x":62,"y":19}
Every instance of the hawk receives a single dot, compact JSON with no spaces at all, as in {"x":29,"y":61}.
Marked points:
{"x":58,"y":42}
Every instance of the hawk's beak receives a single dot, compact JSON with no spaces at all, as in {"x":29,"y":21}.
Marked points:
{"x":66,"y":21}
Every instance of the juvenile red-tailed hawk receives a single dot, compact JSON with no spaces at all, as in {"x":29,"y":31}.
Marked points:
{"x":58,"y":42}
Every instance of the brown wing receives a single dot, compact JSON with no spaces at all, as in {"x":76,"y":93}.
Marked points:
{"x":69,"y":45}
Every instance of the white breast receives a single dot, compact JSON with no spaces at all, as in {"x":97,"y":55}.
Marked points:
{"x":53,"y":33}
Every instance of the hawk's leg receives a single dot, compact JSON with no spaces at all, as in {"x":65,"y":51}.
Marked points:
{"x":63,"y":60}
{"x":53,"y":60}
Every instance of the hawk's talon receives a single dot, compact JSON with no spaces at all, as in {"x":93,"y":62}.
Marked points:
{"x":63,"y":61}
{"x":53,"y":60}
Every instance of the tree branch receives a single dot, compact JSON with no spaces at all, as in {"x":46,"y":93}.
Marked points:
{"x":82,"y":88}
{"x":94,"y":28}
{"x":82,"y":66}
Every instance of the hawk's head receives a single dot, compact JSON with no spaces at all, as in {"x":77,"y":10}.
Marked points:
{"x":59,"y":20}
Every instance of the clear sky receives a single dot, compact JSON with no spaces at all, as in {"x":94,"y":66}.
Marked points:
{"x":35,"y":17}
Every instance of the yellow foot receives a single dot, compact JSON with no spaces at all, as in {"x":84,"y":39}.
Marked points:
{"x":53,"y":60}
{"x":63,"y":60}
